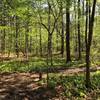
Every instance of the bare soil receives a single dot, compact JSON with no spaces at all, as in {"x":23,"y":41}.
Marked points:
{"x":24,"y":86}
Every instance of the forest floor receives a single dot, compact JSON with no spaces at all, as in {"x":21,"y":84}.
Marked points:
{"x":25,"y":86}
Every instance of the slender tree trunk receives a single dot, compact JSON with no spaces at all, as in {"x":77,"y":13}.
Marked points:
{"x":36,"y":37}
{"x":76,"y":40}
{"x":62,"y":33}
{"x":50,"y":46}
{"x":79,"y":34}
{"x":26,"y":41}
{"x":68,"y":57}
{"x":30,"y":47}
{"x":57,"y":35}
{"x":86,"y":25}
{"x":83,"y":20}
{"x":49,"y":36}
{"x":40,"y":34}
{"x":88,"y":46}
{"x":16,"y":37}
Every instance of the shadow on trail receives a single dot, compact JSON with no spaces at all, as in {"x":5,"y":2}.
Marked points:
{"x":40,"y":93}
{"x":23,"y":87}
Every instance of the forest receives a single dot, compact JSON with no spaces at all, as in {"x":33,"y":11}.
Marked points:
{"x":49,"y":50}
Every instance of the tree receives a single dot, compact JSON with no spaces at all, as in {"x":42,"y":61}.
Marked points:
{"x":16,"y":36}
{"x":68,"y":57}
{"x":50,"y":28}
{"x":89,"y":42}
{"x":79,"y":34}
{"x":62,"y":30}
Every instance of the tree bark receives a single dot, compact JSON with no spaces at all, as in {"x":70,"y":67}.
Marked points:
{"x":79,"y":34}
{"x":68,"y":57}
{"x":88,"y":46}
{"x":16,"y":37}
{"x":62,"y":33}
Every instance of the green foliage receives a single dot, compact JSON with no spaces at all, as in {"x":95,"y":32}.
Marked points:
{"x":74,"y":86}
{"x":36,"y":64}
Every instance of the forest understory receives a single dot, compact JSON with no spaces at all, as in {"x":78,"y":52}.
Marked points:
{"x":28,"y":86}
{"x":49,"y":49}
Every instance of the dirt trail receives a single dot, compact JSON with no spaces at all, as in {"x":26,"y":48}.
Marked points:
{"x":23,"y":83}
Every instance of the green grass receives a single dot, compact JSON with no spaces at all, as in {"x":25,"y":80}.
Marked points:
{"x":36,"y":64}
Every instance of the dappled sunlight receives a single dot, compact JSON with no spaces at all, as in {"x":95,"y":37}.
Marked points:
{"x":49,"y":49}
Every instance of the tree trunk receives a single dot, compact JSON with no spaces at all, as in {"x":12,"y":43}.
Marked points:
{"x":68,"y":57}
{"x":49,"y":35}
{"x":40,"y":41}
{"x":79,"y":36}
{"x":26,"y":41}
{"x":62,"y":33}
{"x":75,"y":33}
{"x":16,"y":37}
{"x":88,"y":47}
{"x":86,"y":25}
